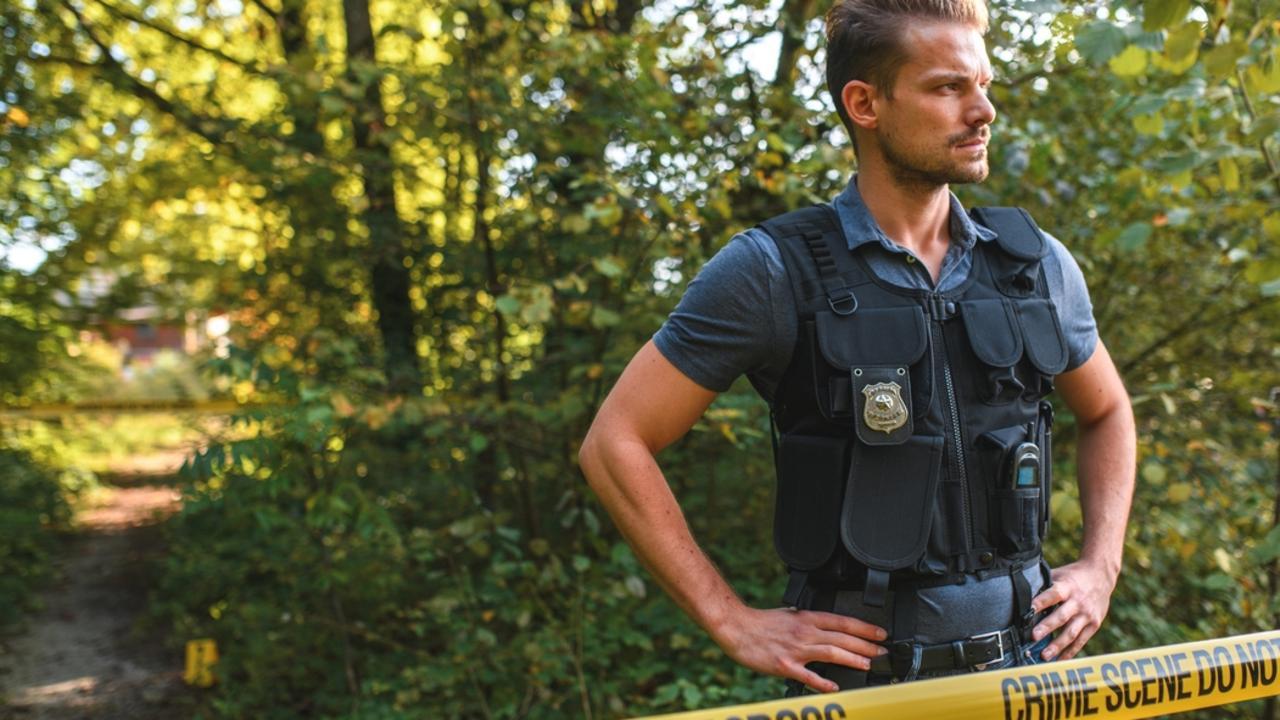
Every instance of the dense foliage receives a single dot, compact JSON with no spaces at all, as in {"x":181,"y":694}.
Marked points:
{"x":32,"y":506}
{"x":443,"y":230}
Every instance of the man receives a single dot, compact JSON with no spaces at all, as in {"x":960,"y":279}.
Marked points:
{"x":904,"y":349}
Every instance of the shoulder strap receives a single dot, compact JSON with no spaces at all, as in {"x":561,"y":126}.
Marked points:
{"x":1016,"y":233}
{"x":818,"y":228}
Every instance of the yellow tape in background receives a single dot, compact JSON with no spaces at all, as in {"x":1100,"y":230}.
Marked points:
{"x":96,"y":407}
{"x":1136,"y":684}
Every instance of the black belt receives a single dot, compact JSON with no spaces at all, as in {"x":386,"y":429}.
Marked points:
{"x":973,"y":653}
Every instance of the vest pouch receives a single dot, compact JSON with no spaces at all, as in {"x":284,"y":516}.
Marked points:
{"x":1017,"y":512}
{"x":873,"y":346}
{"x":889,"y":501}
{"x":1046,"y":345}
{"x":997,"y":341}
{"x":806,"y":514}
{"x":1019,"y":518}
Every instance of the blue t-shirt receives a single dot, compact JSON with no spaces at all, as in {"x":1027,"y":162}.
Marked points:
{"x":738,"y":316}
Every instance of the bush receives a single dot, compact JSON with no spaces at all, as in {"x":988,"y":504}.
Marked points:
{"x":33,"y":505}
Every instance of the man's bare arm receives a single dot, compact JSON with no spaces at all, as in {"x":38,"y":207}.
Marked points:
{"x":1105,"y":466}
{"x":653,"y":405}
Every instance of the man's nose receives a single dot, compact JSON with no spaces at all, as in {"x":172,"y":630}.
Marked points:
{"x":981,"y":112}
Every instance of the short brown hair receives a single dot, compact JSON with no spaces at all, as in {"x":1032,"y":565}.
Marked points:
{"x":864,"y":39}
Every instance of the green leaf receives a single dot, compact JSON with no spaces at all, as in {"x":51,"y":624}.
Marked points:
{"x":1269,"y":548}
{"x":1264,"y":128}
{"x":1148,"y":105}
{"x":1182,"y":46}
{"x":1134,"y":236}
{"x":1263,"y":77}
{"x":608,"y":266}
{"x":1263,"y":272}
{"x":538,"y":310}
{"x":1154,"y":472}
{"x":1100,"y":41}
{"x":1129,"y":63}
{"x":1160,"y":14}
{"x":1221,"y":61}
{"x":1179,"y":492}
{"x":507,"y":305}
{"x":1179,"y":162}
{"x":1149,"y":124}
{"x":575,"y":224}
{"x":1229,"y":172}
{"x":603,"y":318}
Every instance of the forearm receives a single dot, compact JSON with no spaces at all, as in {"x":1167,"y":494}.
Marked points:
{"x":628,"y":481}
{"x":1106,"y":468}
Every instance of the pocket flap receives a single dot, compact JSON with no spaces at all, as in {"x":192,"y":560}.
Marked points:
{"x":1046,"y":346}
{"x":888,"y":504}
{"x":873,"y":336}
{"x":993,"y":332}
{"x":806,"y":523}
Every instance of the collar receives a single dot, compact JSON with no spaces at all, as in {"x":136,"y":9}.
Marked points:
{"x":861,"y":228}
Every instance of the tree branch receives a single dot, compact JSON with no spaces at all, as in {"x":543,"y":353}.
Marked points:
{"x":216,"y":130}
{"x":1194,"y":321}
{"x":1253,"y":118}
{"x":264,"y":7}
{"x":114,"y":67}
{"x":247,"y":66}
{"x":1028,"y":77}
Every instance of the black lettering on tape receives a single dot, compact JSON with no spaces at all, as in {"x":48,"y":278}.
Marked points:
{"x":1180,"y":691}
{"x":1147,"y":682}
{"x":1204,"y":671}
{"x":1131,"y":699}
{"x":1109,"y":673}
{"x":1032,"y":698}
{"x":1055,"y":688}
{"x":1267,"y":655}
{"x":785,"y":714}
{"x":1250,"y":669}
{"x":1007,"y":686}
{"x":834,"y":711}
{"x":1071,"y":699}
{"x":1166,"y":680}
{"x":1087,"y":691}
{"x":810,"y":712}
{"x":1224,"y":670}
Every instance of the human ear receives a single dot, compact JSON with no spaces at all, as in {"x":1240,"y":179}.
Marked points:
{"x":859,"y":99}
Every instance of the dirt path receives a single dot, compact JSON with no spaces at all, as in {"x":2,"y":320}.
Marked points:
{"x":82,"y":656}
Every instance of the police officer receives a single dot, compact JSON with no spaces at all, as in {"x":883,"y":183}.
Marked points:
{"x":905,"y":347}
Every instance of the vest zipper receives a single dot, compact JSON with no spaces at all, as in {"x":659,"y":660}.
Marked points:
{"x":956,"y":456}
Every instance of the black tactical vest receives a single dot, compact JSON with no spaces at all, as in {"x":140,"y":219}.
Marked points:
{"x":899,"y":415}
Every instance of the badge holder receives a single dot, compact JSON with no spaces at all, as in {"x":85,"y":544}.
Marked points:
{"x":882,"y":399}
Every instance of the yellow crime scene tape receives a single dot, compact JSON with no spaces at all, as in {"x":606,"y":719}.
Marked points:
{"x":54,"y":410}
{"x":1137,"y":684}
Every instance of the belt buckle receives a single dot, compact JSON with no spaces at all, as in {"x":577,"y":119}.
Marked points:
{"x":999,"y":636}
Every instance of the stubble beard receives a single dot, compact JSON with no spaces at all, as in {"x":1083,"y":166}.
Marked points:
{"x":928,"y":170}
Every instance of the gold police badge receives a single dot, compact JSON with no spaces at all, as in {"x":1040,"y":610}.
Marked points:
{"x":885,"y":410}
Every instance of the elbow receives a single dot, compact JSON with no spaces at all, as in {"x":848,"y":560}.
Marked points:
{"x":589,"y":454}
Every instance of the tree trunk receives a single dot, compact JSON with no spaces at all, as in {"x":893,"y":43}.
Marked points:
{"x":389,"y":278}
{"x":795,"y":15}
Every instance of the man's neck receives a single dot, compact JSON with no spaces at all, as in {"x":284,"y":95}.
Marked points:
{"x":915,"y":217}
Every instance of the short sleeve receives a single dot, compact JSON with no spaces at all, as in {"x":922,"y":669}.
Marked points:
{"x":724,"y":325}
{"x":1070,"y":296}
